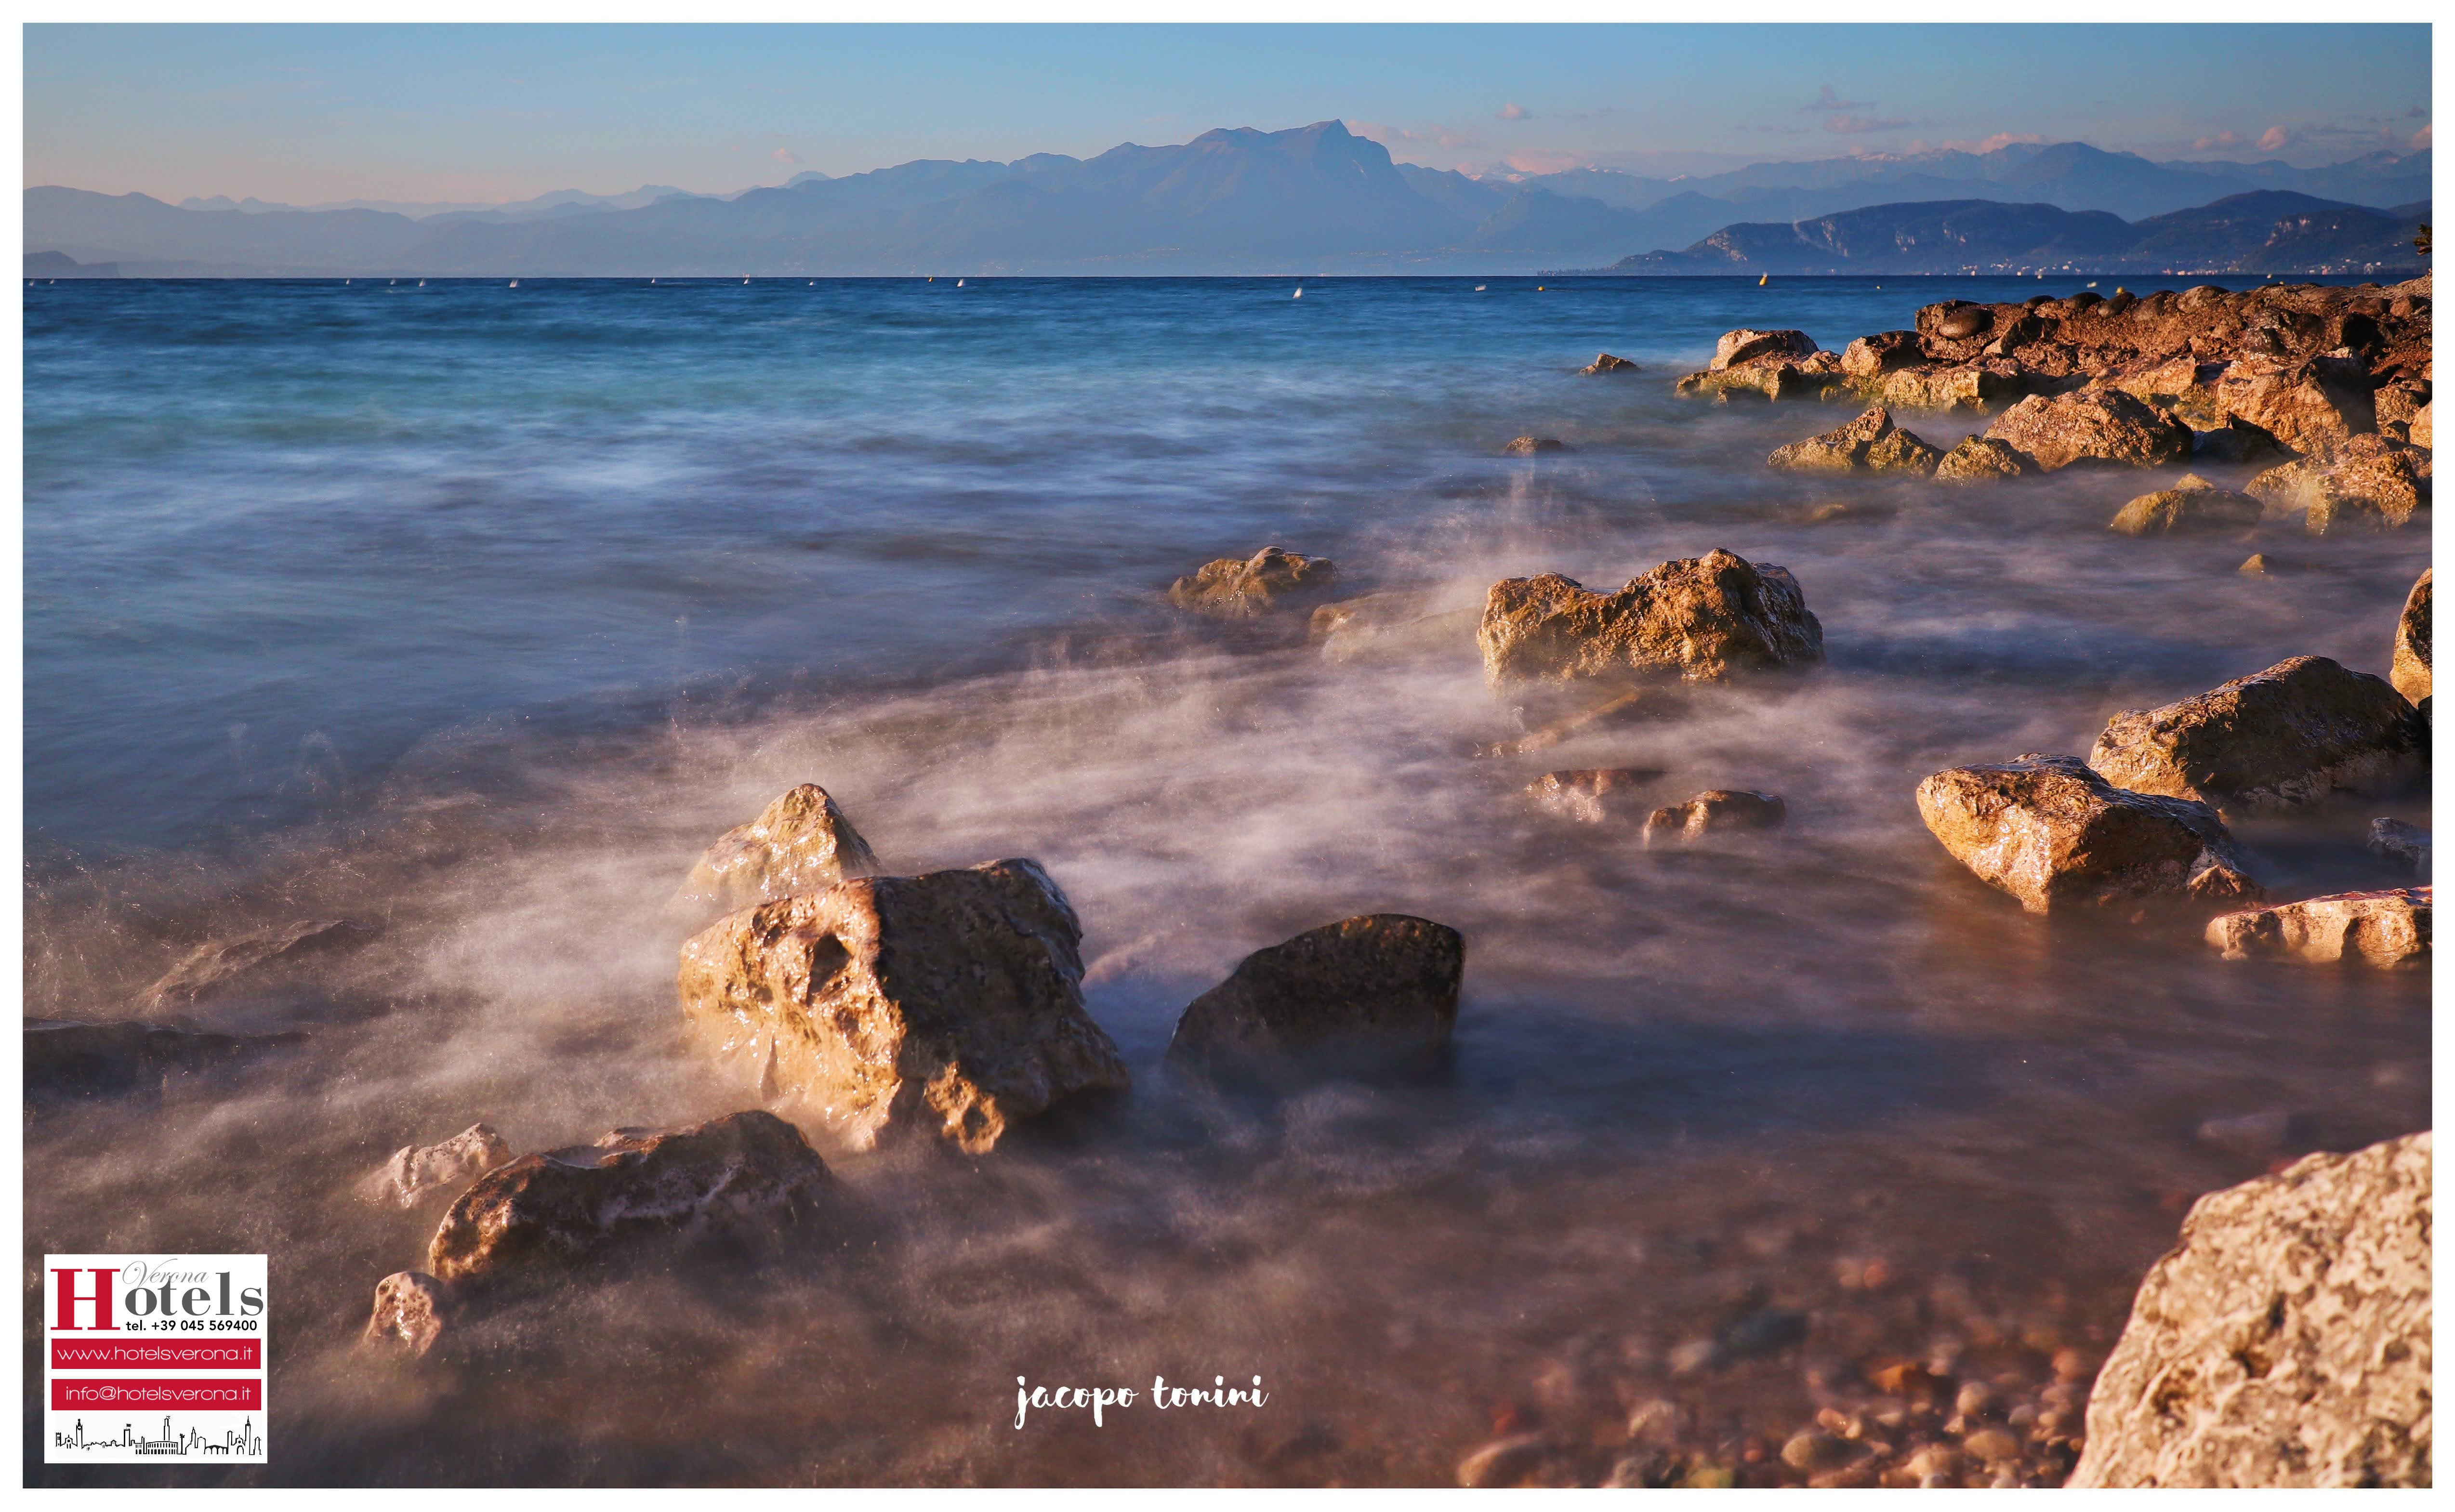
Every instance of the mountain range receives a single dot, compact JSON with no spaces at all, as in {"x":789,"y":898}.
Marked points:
{"x":1311,"y":200}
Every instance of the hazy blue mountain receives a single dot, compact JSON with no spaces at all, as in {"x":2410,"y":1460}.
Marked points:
{"x":60,"y":265}
{"x":2263,"y":232}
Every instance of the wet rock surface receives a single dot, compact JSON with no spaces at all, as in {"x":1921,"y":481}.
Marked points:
{"x":1606,"y":363}
{"x":2278,"y":739}
{"x":417,"y":1171}
{"x":2388,"y":930}
{"x":1592,"y":795}
{"x":272,"y":963}
{"x":1233,"y":588}
{"x":75,"y":1059}
{"x":2192,"y":504}
{"x":745,"y":1177}
{"x":2410,"y":671}
{"x":1698,"y":619}
{"x":1720,"y":810}
{"x":2056,"y":834}
{"x":2286,"y":1341}
{"x":800,"y":843}
{"x":1533,"y":445}
{"x":1375,"y":992}
{"x":2407,"y":845}
{"x":1979,"y":459}
{"x":1871,"y":443}
{"x":2095,"y":426}
{"x":947,"y":1005}
{"x":413,"y":1312}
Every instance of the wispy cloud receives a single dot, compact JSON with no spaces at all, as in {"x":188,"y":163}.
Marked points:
{"x":1827,"y":101}
{"x":1540,"y":162}
{"x":2418,"y":141}
{"x":1512,"y":111}
{"x":2274,"y":139}
{"x":1395,"y":136}
{"x":1860,"y":124}
{"x":2220,"y":140}
{"x":786,"y":154}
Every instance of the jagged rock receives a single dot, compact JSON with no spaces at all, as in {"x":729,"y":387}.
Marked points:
{"x":2387,"y":929}
{"x":2183,"y":385}
{"x":1870,"y":443}
{"x":2411,"y":672}
{"x":2056,"y":834}
{"x":1977,"y":388}
{"x":1743,"y":346}
{"x":1978,"y":459}
{"x":2092,"y":425}
{"x":2407,"y":845}
{"x":1592,"y":795}
{"x":267,"y":963}
{"x":2286,"y":1341}
{"x":2192,"y":504}
{"x":1605,"y":362}
{"x":1376,"y":991}
{"x":416,"y":1170}
{"x":2234,"y":441}
{"x":2396,"y":404}
{"x":1230,"y":589}
{"x":411,"y":1314}
{"x":1720,"y":809}
{"x":1778,"y":376}
{"x":800,"y":843}
{"x":1530,"y":445}
{"x":1698,"y":619}
{"x":2369,"y":482}
{"x":2256,"y":565}
{"x":946,"y":1005}
{"x":2278,"y":739}
{"x":2419,"y":432}
{"x":1871,"y":356}
{"x":1389,"y":624}
{"x":2313,"y":406}
{"x":744,"y":1176}
{"x":67,"y":1056}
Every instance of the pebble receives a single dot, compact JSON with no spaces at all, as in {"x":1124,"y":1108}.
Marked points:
{"x":1813,"y":1449}
{"x":1994,"y":1445}
{"x":1976,"y":1399}
{"x":1504,"y":1462}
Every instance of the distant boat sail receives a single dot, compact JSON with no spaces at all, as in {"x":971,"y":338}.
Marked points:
{"x":516,"y":283}
{"x":1300,"y":294}
{"x":1763,"y":279}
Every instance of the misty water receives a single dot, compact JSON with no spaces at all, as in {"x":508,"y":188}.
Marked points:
{"x":476,"y":613}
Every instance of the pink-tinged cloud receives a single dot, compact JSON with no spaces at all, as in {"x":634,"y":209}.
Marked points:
{"x":2273,"y":139}
{"x":1980,"y":145}
{"x":1512,"y":111}
{"x":786,"y":154}
{"x":1860,"y":124}
{"x":2223,"y":139}
{"x":1397,"y":136}
{"x":2418,"y":141}
{"x":1545,"y":162}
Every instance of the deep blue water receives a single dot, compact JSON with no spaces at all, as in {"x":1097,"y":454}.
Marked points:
{"x":276,"y":533}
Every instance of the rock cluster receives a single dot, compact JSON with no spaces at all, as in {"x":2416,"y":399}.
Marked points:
{"x":2278,"y":739}
{"x":947,"y":1005}
{"x":2286,"y":1341}
{"x":800,"y":843}
{"x":1868,"y":444}
{"x":1720,"y":809}
{"x":2098,"y":426}
{"x":1697,"y":619}
{"x":1376,"y":991}
{"x":2368,"y":483}
{"x":2388,"y":930}
{"x":1233,"y":588}
{"x":2056,"y":834}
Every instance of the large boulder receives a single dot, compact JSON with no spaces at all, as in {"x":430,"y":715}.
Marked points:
{"x":2410,"y":672}
{"x":1884,"y":351}
{"x":274,"y":963}
{"x":1868,"y":444}
{"x":2056,"y":834}
{"x":800,"y":843}
{"x":417,"y":1170}
{"x":1697,"y":619}
{"x":1232,"y":588}
{"x":1375,"y":992}
{"x":745,"y":1176}
{"x":2313,"y":406}
{"x":945,"y":1005}
{"x":2192,"y":504}
{"x":2092,"y":425}
{"x":2278,"y":739}
{"x":1979,"y":459}
{"x":2286,"y":1341}
{"x":1978,"y":387}
{"x":2369,"y":482}
{"x":2387,"y":929}
{"x":1743,"y":346}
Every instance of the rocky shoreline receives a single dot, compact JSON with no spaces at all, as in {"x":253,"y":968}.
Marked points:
{"x":943,"y":1010}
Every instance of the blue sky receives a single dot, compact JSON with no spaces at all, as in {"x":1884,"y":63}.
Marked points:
{"x":309,"y":113}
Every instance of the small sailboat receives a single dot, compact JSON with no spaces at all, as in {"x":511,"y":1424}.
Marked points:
{"x":516,"y":283}
{"x":1299,"y":290}
{"x":746,"y":280}
{"x":1763,"y":279}
{"x":959,"y":283}
{"x":421,"y":283}
{"x":1478,"y":289}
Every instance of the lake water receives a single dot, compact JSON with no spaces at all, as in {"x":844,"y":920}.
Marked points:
{"x":475,"y":612}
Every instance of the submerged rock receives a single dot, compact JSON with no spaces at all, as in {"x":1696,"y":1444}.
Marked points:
{"x":411,"y":1314}
{"x":1868,"y":444}
{"x":1375,"y":992}
{"x":945,"y":1005}
{"x":2410,"y":671}
{"x":2256,"y":565}
{"x":266,"y":962}
{"x":2278,"y":739}
{"x":2389,"y":929}
{"x":1530,"y":445}
{"x":1698,"y":619}
{"x":2407,"y":845}
{"x":69,"y":1058}
{"x":1979,"y":459}
{"x":1592,"y":795}
{"x":1720,"y":809}
{"x":416,"y":1170}
{"x":800,"y":843}
{"x":2092,"y":425}
{"x":1391,"y":624}
{"x":2054,"y":834}
{"x":744,"y":1176}
{"x":1605,"y":362}
{"x":1233,"y":589}
{"x":2234,"y":441}
{"x":2261,"y":1136}
{"x":2192,"y":504}
{"x":2286,"y":1341}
